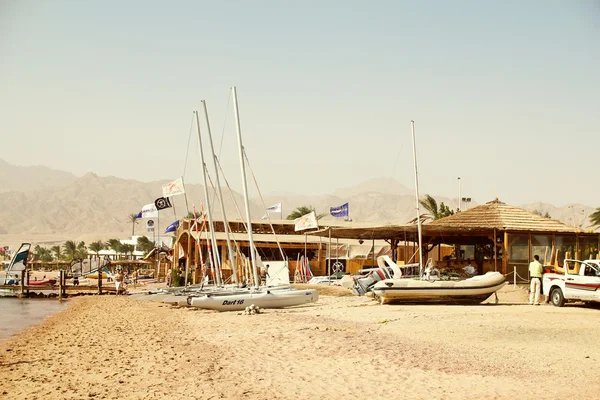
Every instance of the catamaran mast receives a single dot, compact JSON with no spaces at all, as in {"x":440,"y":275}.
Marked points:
{"x":245,"y":185}
{"x":211,"y":226}
{"x":412,"y":127}
{"x":225,"y":222}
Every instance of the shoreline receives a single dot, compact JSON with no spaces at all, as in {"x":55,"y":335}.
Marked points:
{"x":342,"y":347}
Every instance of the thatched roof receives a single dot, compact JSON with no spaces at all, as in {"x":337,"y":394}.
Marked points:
{"x":480,"y":220}
{"x":500,"y":216}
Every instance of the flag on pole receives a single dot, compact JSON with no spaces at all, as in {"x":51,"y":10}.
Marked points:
{"x":173,"y":188}
{"x":138,"y":215}
{"x":173,"y":227}
{"x":162,"y":202}
{"x":149,"y":211}
{"x":339,"y":211}
{"x":307,"y":221}
{"x":274,"y":208}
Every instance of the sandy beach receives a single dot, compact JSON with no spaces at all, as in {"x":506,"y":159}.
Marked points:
{"x":347,"y":347}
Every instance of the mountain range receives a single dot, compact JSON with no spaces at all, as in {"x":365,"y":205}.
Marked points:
{"x":38,"y":202}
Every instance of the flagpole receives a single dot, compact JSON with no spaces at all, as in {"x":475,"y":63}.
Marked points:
{"x":329,"y":256}
{"x":305,"y":257}
{"x":206,"y":198}
{"x":232,"y":256}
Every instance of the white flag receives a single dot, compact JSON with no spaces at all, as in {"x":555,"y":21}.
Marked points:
{"x":307,"y":221}
{"x":274,"y":208}
{"x":149,"y":211}
{"x":173,"y":188}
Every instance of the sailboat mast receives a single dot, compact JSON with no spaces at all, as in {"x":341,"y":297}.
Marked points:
{"x":412,"y":127}
{"x":211,"y":226}
{"x":245,"y":185}
{"x":225,"y":222}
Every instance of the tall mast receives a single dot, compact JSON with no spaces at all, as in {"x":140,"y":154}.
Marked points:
{"x":225,"y":222}
{"x":244,"y":185}
{"x":208,"y":212}
{"x":412,"y":127}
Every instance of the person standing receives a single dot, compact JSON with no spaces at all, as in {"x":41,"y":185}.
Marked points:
{"x":264,"y":274}
{"x":535,"y":274}
{"x":118,"y":281}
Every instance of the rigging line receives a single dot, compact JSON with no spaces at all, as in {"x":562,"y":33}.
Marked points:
{"x":188,"y":146}
{"x":397,"y":159}
{"x":263,"y":203}
{"x":224,"y":123}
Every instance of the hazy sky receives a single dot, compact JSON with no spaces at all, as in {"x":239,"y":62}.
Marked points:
{"x":505,"y":95}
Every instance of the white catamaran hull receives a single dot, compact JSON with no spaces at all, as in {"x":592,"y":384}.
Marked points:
{"x":268,"y":299}
{"x":472,"y":291}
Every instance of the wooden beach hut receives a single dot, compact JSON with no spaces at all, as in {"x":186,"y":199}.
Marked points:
{"x":491,"y":237}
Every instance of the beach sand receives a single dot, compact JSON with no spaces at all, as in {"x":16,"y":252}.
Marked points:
{"x":110,"y":347}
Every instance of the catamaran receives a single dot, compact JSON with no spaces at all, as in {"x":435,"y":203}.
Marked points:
{"x":259,"y":296}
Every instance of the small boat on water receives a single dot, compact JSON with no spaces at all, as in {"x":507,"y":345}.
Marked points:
{"x":469,"y":291}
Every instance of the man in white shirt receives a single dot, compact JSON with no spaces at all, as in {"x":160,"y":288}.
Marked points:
{"x":535,"y":273}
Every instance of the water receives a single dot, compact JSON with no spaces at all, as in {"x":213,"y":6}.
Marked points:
{"x":19,"y":314}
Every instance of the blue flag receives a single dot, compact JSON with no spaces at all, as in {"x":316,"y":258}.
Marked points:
{"x":173,"y":227}
{"x":340,"y":211}
{"x":138,"y":215}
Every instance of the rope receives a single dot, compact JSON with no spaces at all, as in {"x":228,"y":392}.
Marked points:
{"x":188,"y":147}
{"x":263,"y":204}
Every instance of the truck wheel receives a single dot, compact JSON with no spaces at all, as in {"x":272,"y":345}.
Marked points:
{"x":557,"y":298}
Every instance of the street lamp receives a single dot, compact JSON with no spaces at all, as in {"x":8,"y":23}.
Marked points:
{"x":459,"y":198}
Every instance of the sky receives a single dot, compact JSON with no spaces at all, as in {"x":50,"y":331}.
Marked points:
{"x":505,"y":95}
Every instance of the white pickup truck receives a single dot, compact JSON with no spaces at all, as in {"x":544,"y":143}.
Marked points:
{"x":580,"y":281}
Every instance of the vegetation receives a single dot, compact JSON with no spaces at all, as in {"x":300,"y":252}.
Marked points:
{"x":42,"y":253}
{"x":96,"y":247}
{"x":435,"y":212}
{"x":144,"y":244}
{"x":595,"y":218}
{"x":57,"y":250}
{"x":114,"y":245}
{"x":538,"y":212}
{"x":303,"y":210}
{"x":73,"y":250}
{"x":132,"y":218}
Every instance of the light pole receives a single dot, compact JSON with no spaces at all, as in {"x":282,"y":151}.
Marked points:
{"x":459,"y":198}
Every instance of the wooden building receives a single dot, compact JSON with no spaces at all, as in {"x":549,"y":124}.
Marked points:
{"x":492,"y":237}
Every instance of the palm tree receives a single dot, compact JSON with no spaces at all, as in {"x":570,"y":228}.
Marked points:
{"x":133,"y":219}
{"x":70,"y":248}
{"x":114,"y":244}
{"x":144,"y":244}
{"x":303,"y":210}
{"x":595,"y":218}
{"x":127,"y":249}
{"x":96,"y":247}
{"x":430,"y":204}
{"x":81,"y":250}
{"x":42,"y":253}
{"x":57,"y":250}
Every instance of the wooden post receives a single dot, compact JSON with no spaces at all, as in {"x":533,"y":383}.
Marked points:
{"x":99,"y":281}
{"x":27,"y":280}
{"x":505,"y":254}
{"x":515,"y":277}
{"x":60,"y":284}
{"x":22,"y":282}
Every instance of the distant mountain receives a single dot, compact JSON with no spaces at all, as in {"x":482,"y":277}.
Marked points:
{"x":27,"y":179}
{"x":42,"y":202}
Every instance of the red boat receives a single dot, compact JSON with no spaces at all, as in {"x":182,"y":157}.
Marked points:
{"x":43,"y":282}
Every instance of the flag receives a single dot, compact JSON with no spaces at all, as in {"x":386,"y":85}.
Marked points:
{"x":340,"y":211}
{"x":274,"y":208}
{"x":149,"y":211}
{"x":173,"y":227}
{"x":173,"y":188}
{"x":307,"y":221}
{"x":138,"y":215}
{"x":162,"y":202}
